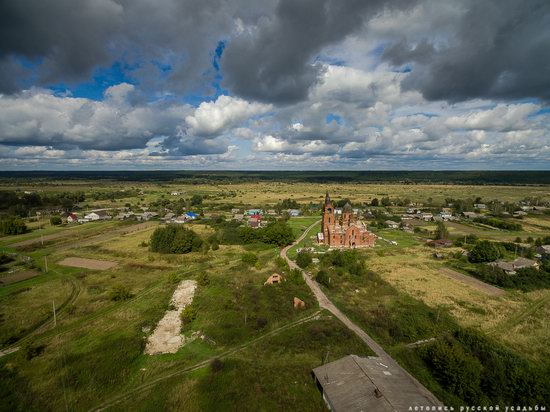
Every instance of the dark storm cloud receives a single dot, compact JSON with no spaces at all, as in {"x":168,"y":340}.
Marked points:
{"x":273,"y":62}
{"x":499,"y":49}
{"x":66,"y":39}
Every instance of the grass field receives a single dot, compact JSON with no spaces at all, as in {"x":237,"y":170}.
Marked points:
{"x":94,"y":357}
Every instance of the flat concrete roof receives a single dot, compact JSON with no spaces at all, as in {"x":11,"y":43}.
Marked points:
{"x":367,"y":384}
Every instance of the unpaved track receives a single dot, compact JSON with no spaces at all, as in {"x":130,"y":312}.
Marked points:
{"x":85,"y":263}
{"x":471,"y":281}
{"x":325,"y":303}
{"x":69,"y":241}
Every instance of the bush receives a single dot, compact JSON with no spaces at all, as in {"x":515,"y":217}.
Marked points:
{"x":55,"y":220}
{"x":175,"y":239}
{"x":323,"y":278}
{"x":32,"y":351}
{"x":13,"y":226}
{"x":216,"y":365}
{"x":304,"y":259}
{"x":203,"y":279}
{"x":120,"y":293}
{"x":249,"y":258}
{"x":261,"y":323}
{"x":485,"y":251}
{"x":188,"y":315}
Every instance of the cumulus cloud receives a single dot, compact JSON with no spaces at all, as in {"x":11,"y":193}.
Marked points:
{"x":39,"y":117}
{"x":213,"y":117}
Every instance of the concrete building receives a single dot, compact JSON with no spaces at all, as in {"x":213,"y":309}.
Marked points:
{"x":356,"y":384}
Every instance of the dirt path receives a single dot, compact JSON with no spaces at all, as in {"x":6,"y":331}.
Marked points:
{"x":167,"y":337}
{"x":471,"y":281}
{"x":93,"y":264}
{"x":70,"y":241}
{"x":107,"y":236}
{"x":325,"y":303}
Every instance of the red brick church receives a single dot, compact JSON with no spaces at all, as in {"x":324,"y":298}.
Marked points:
{"x":343,"y":231}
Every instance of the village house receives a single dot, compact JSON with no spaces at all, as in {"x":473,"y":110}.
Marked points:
{"x":146,"y":216}
{"x":235,"y":211}
{"x":293,"y":212}
{"x":480,"y":206}
{"x":191,"y":215}
{"x":124,"y":215}
{"x":510,"y":268}
{"x":72,"y":218}
{"x":438,"y":243}
{"x":98,"y":215}
{"x":445,"y":215}
{"x":470,"y":215}
{"x":238,"y":217}
{"x":271,"y":212}
{"x":180,"y":220}
{"x":168,"y":216}
{"x":255,"y":221}
{"x":544,"y":250}
{"x":252,"y":212}
{"x":175,"y":193}
{"x":427,"y":216}
{"x":345,"y":231}
{"x":391,"y":224}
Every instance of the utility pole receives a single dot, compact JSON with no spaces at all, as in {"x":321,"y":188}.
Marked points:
{"x":46,"y":263}
{"x":54,"y":315}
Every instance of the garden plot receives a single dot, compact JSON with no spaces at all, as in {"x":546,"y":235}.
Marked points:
{"x":167,"y":337}
{"x":94,"y":264}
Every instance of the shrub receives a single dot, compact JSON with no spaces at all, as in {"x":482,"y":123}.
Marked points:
{"x":249,"y":258}
{"x":120,"y":293}
{"x":304,"y":259}
{"x":188,"y":315}
{"x":55,"y":220}
{"x":203,"y":279}
{"x":216,"y":365}
{"x":32,"y":351}
{"x":261,"y":322}
{"x":323,"y":278}
{"x":174,"y":239}
{"x":485,"y":251}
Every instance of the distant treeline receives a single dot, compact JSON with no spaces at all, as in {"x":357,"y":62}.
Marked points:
{"x":406,"y":177}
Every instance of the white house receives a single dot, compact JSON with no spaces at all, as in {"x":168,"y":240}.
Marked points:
{"x":98,"y":215}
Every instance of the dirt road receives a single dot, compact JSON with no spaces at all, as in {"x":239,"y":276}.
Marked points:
{"x":325,"y":303}
{"x":478,"y":284}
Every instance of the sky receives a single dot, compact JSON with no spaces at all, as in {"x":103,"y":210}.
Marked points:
{"x":274,"y":85}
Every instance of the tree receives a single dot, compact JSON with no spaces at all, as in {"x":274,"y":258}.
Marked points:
{"x":196,"y":200}
{"x":55,"y":220}
{"x":485,"y":251}
{"x":174,"y":239}
{"x":12,"y":226}
{"x":374,"y":202}
{"x":304,"y":259}
{"x":441,"y":231}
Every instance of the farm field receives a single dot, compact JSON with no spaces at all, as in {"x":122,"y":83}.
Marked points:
{"x":243,"y":342}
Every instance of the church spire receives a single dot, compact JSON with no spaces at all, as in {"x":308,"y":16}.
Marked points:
{"x":327,"y":199}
